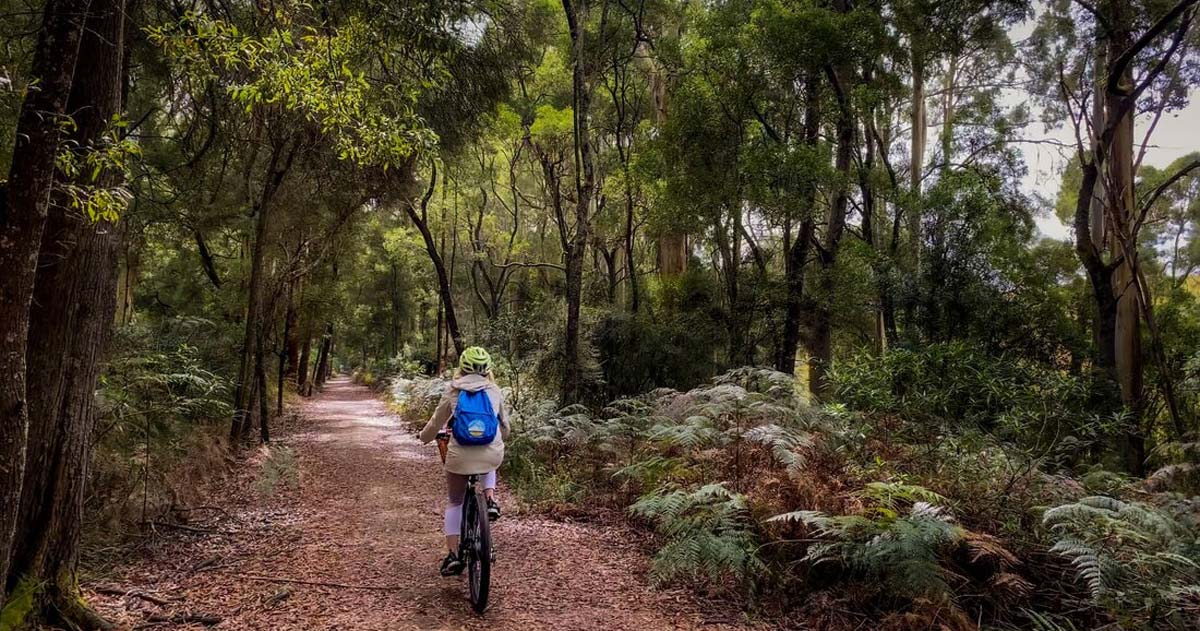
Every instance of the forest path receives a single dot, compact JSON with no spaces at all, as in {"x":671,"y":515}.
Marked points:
{"x":366,"y":511}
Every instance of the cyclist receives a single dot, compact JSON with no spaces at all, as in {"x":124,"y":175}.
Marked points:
{"x":474,"y":375}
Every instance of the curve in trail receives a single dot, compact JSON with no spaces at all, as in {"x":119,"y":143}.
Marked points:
{"x":366,"y":512}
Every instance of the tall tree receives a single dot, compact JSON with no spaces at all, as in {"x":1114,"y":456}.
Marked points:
{"x":70,"y":321}
{"x":577,"y":13}
{"x":26,"y":199}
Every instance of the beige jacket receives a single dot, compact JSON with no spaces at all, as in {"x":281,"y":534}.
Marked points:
{"x":471,"y":459}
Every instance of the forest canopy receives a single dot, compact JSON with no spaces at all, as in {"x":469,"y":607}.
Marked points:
{"x":824,"y":207}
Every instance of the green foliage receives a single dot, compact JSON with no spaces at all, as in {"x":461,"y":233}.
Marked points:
{"x":637,"y":354}
{"x":957,"y":386}
{"x":1140,"y":563}
{"x":707,"y":533}
{"x":160,"y":409}
{"x":309,"y":69}
{"x":82,"y":168}
{"x":903,"y":550}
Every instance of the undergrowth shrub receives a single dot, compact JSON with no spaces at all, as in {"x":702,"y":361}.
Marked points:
{"x":1140,"y":562}
{"x":953,"y":386}
{"x":707,"y":533}
{"x":899,"y":541}
{"x":161,"y":426}
{"x":914,"y":509}
{"x":415,"y":399}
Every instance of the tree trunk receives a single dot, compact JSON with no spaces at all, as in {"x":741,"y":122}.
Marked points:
{"x":280,"y":163}
{"x":126,"y":279}
{"x":291,"y":334}
{"x":631,"y":258}
{"x":797,"y":255}
{"x":821,"y":351}
{"x":948,"y":88}
{"x":70,"y":320}
{"x":306,"y":333}
{"x":321,"y":370}
{"x":672,"y":254}
{"x":206,"y":259}
{"x":23,"y":208}
{"x":421,"y":221}
{"x":260,"y":377}
{"x":919,"y":140}
{"x":576,"y":14}
{"x":1120,"y":189}
{"x":289,"y":344}
{"x":395,"y":312}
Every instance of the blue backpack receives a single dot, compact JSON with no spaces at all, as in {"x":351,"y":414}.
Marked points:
{"x":475,"y":421}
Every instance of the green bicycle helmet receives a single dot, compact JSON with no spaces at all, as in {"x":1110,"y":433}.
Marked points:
{"x":475,"y":361}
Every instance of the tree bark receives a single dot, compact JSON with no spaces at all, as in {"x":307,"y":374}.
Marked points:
{"x":305,"y":352}
{"x":919,"y":141}
{"x":206,"y":259}
{"x":576,"y":13}
{"x":321,"y":370}
{"x":421,"y":221}
{"x":1120,"y":190}
{"x":280,"y":163}
{"x":25,"y":201}
{"x":797,"y":254}
{"x":821,"y":348}
{"x":71,"y":318}
{"x":291,"y":334}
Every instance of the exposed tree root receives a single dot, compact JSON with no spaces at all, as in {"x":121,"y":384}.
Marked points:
{"x":68,"y":609}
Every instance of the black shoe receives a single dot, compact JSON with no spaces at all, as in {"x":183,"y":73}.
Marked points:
{"x":493,"y":510}
{"x":452,"y":565}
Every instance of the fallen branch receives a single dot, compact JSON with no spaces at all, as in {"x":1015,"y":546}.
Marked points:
{"x":130,"y":593}
{"x":206,"y":563}
{"x":186,"y":509}
{"x":181,"y":618}
{"x":276,"y":579}
{"x":203,"y":531}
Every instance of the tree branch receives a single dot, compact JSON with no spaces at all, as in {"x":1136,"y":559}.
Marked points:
{"x":1121,"y":65}
{"x":1160,"y":189}
{"x":561,"y":268}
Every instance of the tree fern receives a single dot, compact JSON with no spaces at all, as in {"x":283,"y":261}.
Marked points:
{"x":1138,"y":561}
{"x":786,"y":445}
{"x":902,"y":551}
{"x":707,"y":532}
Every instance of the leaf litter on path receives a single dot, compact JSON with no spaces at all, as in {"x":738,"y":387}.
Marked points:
{"x":347,"y":536}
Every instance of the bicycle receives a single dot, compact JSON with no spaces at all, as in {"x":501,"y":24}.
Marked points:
{"x":475,"y":539}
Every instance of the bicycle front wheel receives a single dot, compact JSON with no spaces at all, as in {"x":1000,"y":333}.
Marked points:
{"x":479,"y":561}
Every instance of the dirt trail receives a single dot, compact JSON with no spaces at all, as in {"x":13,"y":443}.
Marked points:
{"x":365,"y":511}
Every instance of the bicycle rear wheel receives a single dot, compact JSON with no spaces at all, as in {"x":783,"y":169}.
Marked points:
{"x":479,"y":553}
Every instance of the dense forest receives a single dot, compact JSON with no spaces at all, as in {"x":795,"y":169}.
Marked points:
{"x":764,"y":281}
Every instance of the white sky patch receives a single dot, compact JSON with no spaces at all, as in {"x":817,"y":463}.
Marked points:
{"x":1177,"y":134}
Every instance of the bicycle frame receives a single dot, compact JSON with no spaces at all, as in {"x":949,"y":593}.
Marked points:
{"x":475,"y":545}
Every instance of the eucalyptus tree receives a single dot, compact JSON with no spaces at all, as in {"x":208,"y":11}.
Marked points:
{"x":939,"y":32}
{"x":1104,"y":64}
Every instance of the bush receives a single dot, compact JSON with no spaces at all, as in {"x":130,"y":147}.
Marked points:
{"x":954,"y":387}
{"x":1140,"y":563}
{"x":162,"y":418}
{"x":416,"y":398}
{"x":708,"y":534}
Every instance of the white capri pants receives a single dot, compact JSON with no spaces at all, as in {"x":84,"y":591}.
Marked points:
{"x":456,"y":490}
